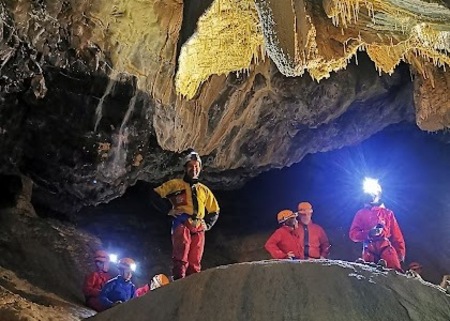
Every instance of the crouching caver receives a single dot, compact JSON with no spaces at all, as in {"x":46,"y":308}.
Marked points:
{"x":194,"y":211}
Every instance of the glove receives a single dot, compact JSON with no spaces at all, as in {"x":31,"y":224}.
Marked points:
{"x":175,"y":212}
{"x":376,"y":231}
{"x":210,"y":220}
{"x":290,"y":255}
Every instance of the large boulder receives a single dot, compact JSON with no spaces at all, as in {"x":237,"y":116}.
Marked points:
{"x":289,"y":290}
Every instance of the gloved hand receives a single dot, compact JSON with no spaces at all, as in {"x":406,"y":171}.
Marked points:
{"x":445,"y":283}
{"x":290,"y":255}
{"x":175,"y":212}
{"x":376,"y":231}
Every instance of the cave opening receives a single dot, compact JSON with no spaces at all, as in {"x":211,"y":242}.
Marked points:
{"x":411,"y":165}
{"x":10,"y":187}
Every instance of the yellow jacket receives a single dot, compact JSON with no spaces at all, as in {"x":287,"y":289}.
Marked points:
{"x":179,"y":193}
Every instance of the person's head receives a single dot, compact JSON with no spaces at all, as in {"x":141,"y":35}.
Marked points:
{"x":192,"y":165}
{"x":158,"y":280}
{"x":372,"y":192}
{"x":305,"y":212}
{"x":288,"y":218}
{"x":126,"y":268}
{"x":416,"y":267}
{"x":101,"y":259}
{"x":370,"y":200}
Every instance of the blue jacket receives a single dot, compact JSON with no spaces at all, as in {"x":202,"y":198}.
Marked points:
{"x":116,"y":289}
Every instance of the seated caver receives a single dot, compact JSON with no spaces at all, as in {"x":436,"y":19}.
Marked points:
{"x":119,"y":289}
{"x":94,"y":282}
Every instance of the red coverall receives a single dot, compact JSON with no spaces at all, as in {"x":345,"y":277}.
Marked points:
{"x":389,"y":246}
{"x":285,"y":240}
{"x":142,"y":290}
{"x":93,"y":284}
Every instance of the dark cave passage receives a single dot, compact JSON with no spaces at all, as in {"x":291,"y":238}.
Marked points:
{"x":413,"y":168}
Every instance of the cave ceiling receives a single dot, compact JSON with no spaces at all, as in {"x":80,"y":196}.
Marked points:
{"x":95,"y":95}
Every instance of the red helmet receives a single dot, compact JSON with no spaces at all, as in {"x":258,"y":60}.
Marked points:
{"x":101,"y":256}
{"x":127,"y":264}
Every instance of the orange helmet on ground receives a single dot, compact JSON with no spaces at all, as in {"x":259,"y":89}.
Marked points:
{"x":127,"y":264}
{"x":159,"y":280}
{"x":304,"y":207}
{"x":284,"y":215}
{"x":101,"y":256}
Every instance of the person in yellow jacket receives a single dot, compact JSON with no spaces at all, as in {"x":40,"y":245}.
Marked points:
{"x":194,"y":211}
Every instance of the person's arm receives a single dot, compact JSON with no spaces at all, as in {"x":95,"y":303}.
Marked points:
{"x":324,"y":244}
{"x":104,"y":300}
{"x":133,"y":291}
{"x":160,"y":204}
{"x":357,"y":232}
{"x":142,"y":290}
{"x":89,"y":288}
{"x":273,"y":248}
{"x":212,"y":208}
{"x":444,"y":283}
{"x":397,"y":240}
{"x":210,"y":220}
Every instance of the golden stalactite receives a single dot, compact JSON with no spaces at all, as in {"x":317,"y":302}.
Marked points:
{"x":228,"y":39}
{"x":140,"y":37}
{"x":409,"y":29}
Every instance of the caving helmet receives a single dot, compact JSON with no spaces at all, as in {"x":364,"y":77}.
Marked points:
{"x":284,"y":215}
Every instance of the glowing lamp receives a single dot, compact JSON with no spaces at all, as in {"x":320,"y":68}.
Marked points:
{"x":113,"y":258}
{"x":371,"y":186}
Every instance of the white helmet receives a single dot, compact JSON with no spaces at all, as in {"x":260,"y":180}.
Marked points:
{"x":193,"y":155}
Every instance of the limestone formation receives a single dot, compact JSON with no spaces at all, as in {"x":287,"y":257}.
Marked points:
{"x":97,"y":95}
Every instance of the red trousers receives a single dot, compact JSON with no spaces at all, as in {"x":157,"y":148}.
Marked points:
{"x":381,"y":249}
{"x":187,"y":251}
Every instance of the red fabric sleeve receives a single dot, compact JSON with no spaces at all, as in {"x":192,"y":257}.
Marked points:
{"x":142,"y":290}
{"x":272,"y":246}
{"x":357,"y":232}
{"x":324,"y":243}
{"x":397,"y":240}
{"x":89,"y":286}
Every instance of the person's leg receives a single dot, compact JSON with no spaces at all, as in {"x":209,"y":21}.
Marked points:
{"x":196,"y":253}
{"x":389,"y":254}
{"x":181,"y":241}
{"x":368,"y":253}
{"x":94,"y":303}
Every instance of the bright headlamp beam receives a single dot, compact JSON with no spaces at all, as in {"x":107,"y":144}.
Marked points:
{"x":133,"y":267}
{"x":371,"y":186}
{"x":113,"y":258}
